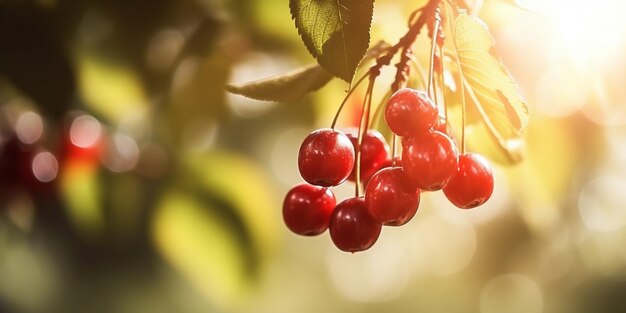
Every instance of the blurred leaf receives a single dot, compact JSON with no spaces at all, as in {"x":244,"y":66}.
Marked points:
{"x":336,"y":33}
{"x":197,"y":94}
{"x":244,"y":184}
{"x":204,"y":36}
{"x":489,"y":85}
{"x":202,"y":246}
{"x":81,"y":189}
{"x":224,"y":216}
{"x":286,"y":87}
{"x":111,"y":90}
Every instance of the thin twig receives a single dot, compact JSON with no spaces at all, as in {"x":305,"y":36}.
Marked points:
{"x":345,"y":99}
{"x":363,"y":126}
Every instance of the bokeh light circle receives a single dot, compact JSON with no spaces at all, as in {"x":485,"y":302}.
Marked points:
{"x":29,"y":127}
{"x":511,"y":293}
{"x":45,"y":167}
{"x":85,"y":131}
{"x":601,"y":204}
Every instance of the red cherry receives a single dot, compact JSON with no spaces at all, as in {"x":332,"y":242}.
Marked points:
{"x":430,"y":159}
{"x":443,"y":127}
{"x":388,"y":163}
{"x":391,"y":197}
{"x":326,"y":157}
{"x":352,"y":229}
{"x":409,"y":111}
{"x":374,"y":153}
{"x":472,"y":184}
{"x":307,"y":209}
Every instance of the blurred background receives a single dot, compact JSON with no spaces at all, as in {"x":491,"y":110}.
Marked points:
{"x":131,"y":182}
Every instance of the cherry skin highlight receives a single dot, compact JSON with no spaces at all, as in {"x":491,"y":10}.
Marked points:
{"x":391,"y":198}
{"x":443,"y":127}
{"x":307,"y":209}
{"x":374,"y":153}
{"x":472,"y":184}
{"x":430,"y":159}
{"x":326,"y":157}
{"x":409,"y":111}
{"x":351,"y":228}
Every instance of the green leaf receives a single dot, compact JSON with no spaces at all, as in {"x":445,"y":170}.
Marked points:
{"x":294,"y":85}
{"x":285,"y":87}
{"x":489,"y":85}
{"x":336,"y":32}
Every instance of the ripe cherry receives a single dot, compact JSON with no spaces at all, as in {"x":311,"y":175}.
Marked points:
{"x":409,"y":111}
{"x":443,"y":127}
{"x":307,"y":209}
{"x":391,"y":198}
{"x":430,"y":159}
{"x":472,"y":184}
{"x":352,"y":229}
{"x":326,"y":157}
{"x":374,"y":153}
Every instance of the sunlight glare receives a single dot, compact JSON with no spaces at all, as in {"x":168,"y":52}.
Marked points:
{"x":590,"y":31}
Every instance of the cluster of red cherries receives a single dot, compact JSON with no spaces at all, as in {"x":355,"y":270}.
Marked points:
{"x":430,"y":161}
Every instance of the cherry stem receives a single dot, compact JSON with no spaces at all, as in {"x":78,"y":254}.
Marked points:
{"x":421,"y":74}
{"x":443,"y":86}
{"x":431,"y":68}
{"x":345,"y":99}
{"x":394,"y":148}
{"x":460,"y":70}
{"x":363,"y":127}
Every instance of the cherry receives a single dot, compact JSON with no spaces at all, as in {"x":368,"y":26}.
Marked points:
{"x":443,"y":127}
{"x":307,"y":209}
{"x":374,"y":153}
{"x":391,"y":198}
{"x":430,"y":159}
{"x":326,"y":157}
{"x":388,"y":163}
{"x":472,"y":184}
{"x":352,"y":229}
{"x":409,"y":111}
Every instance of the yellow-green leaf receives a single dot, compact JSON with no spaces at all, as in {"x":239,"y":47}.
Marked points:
{"x":286,"y":87}
{"x":489,"y":86}
{"x":202,"y":246}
